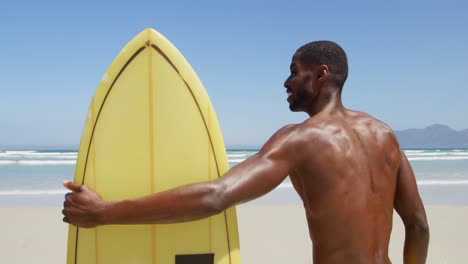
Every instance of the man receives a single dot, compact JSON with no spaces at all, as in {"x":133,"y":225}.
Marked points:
{"x":346,"y":166}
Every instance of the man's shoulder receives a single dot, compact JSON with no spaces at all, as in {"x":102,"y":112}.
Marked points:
{"x":375,"y":126}
{"x":366,"y":118}
{"x":286,"y":133}
{"x":286,"y":138}
{"x":296,"y":136}
{"x":295,"y":132}
{"x":321,"y":127}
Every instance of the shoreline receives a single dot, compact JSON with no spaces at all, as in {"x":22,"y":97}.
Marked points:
{"x":438,"y":195}
{"x":38,"y":235}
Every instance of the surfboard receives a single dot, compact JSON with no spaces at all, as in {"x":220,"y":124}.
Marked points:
{"x":151,"y":127}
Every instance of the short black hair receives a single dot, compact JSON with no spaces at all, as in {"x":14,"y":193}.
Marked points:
{"x":328,"y":53}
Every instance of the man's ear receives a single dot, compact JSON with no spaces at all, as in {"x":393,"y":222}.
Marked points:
{"x":323,"y":72}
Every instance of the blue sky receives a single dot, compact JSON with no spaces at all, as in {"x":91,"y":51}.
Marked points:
{"x":408,"y":60}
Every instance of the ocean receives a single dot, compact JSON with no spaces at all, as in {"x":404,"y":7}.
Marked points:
{"x":32,"y":178}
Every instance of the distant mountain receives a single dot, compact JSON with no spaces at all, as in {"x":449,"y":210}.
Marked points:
{"x":434,"y":136}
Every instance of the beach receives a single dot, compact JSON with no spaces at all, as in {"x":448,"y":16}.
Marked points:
{"x":272,"y":229}
{"x":135,"y":99}
{"x":268,"y":234}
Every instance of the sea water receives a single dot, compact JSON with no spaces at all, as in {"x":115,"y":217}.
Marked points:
{"x":33,"y":177}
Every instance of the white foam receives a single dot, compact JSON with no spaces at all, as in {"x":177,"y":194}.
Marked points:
{"x":37,"y":162}
{"x":235,"y":160}
{"x":439,"y":154}
{"x":238,"y":155}
{"x":459,"y":153}
{"x":414,"y":151}
{"x":285,"y":185}
{"x":20,"y":151}
{"x":7,"y":162}
{"x":32,"y":154}
{"x":442,"y":182}
{"x":411,"y":158}
{"x":54,"y":154}
{"x":438,"y":158}
{"x":46,"y":162}
{"x":32,"y":192}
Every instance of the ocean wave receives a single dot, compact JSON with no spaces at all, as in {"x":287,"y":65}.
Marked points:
{"x":235,"y":160}
{"x":33,"y":154}
{"x":18,"y":151}
{"x":427,"y":158}
{"x":32,"y":192}
{"x":285,"y":185}
{"x":37,"y":162}
{"x":238,"y":155}
{"x":437,"y":158}
{"x":32,"y":157}
{"x":7,"y":162}
{"x":414,"y":151}
{"x":442,"y":182}
{"x":438,"y":154}
{"x":73,"y":162}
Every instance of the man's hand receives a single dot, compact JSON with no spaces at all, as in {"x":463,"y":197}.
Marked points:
{"x":83,"y":207}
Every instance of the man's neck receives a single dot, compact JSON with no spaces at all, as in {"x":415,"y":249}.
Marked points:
{"x":329,"y":101}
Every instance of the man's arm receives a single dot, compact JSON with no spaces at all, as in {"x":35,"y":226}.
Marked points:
{"x":409,"y":206}
{"x":248,"y":180}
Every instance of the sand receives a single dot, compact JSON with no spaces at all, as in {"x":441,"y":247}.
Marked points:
{"x":37,"y":235}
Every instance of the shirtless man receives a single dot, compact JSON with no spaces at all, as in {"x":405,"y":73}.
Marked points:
{"x":346,"y":166}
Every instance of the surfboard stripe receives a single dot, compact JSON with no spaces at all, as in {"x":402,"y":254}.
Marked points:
{"x":210,"y":219}
{"x":227,"y":234}
{"x":151,"y":145}
{"x":96,"y":241}
{"x":96,"y":233}
{"x":76,"y":244}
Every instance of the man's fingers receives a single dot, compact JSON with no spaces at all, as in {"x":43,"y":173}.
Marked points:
{"x":72,"y":186}
{"x":75,"y":217}
{"x":73,"y":201}
{"x":65,"y":203}
{"x":65,"y":212}
{"x":71,"y":215}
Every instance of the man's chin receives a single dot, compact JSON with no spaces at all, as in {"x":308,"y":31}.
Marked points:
{"x":294,"y":108}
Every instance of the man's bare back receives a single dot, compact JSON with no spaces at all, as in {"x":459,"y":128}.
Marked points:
{"x":346,"y":166}
{"x":347,"y":185}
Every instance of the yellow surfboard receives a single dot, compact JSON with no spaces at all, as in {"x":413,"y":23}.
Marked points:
{"x":151,"y":127}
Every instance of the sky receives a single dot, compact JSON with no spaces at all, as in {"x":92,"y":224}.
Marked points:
{"x":408,"y":60}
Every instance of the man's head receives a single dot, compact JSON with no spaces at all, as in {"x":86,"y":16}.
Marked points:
{"x":327,"y":53}
{"x":315,"y":66}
